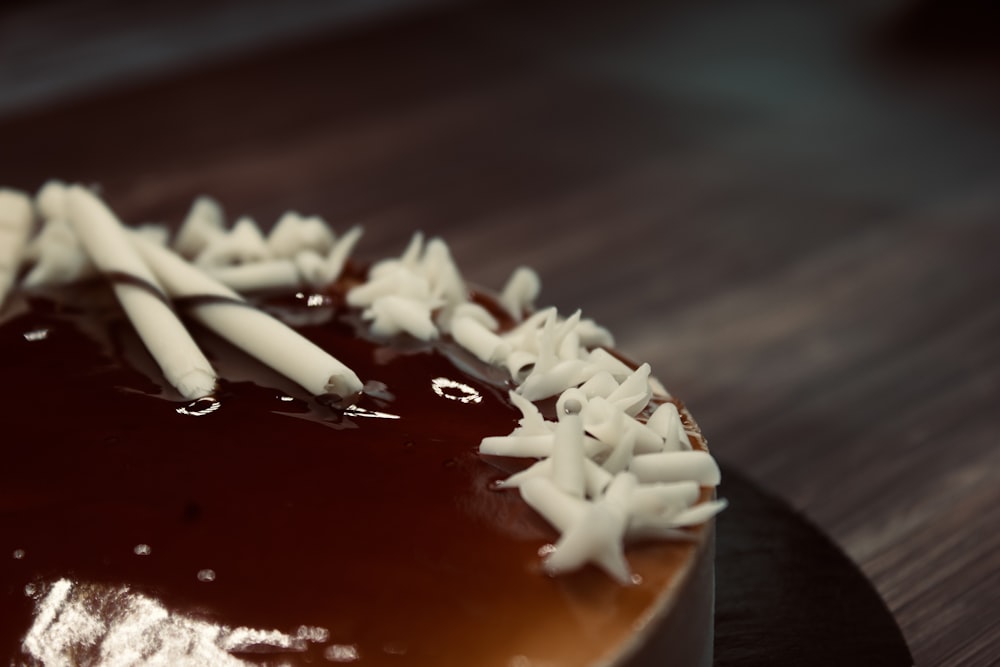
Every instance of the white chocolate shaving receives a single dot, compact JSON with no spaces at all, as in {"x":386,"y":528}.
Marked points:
{"x":592,"y":335}
{"x":476,"y":312}
{"x":666,"y":422}
{"x":337,"y":258}
{"x":520,"y":363}
{"x":401,"y":283}
{"x":204,"y":224}
{"x":699,"y":513}
{"x":392,"y":314}
{"x":243,"y":244}
{"x":50,"y":201}
{"x":601,"y":383}
{"x":317,"y":270}
{"x":154,"y":232}
{"x":519,"y":294}
{"x":569,"y":346}
{"x":479,"y":340}
{"x":250,"y":329}
{"x":257,"y":275}
{"x":634,"y":392}
{"x":531,"y":422}
{"x":695,"y":465}
{"x":414,"y":248}
{"x":293,"y":233}
{"x":596,"y":478}
{"x":444,"y":276}
{"x":16,"y":221}
{"x":642,"y":528}
{"x":608,"y":423}
{"x":564,"y":375}
{"x":621,"y":453}
{"x":61,"y":262}
{"x":610,"y":469}
{"x":607,"y":361}
{"x":559,"y":508}
{"x":568,"y":456}
{"x":656,"y":499}
{"x":531,"y":446}
{"x":108,"y":245}
{"x":402,"y":295}
{"x":598,"y":535}
{"x":640,"y":488}
{"x":310,"y":266}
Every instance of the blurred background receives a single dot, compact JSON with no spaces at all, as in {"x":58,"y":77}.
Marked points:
{"x":792,"y":209}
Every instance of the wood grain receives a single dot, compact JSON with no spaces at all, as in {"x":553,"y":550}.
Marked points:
{"x":795,"y":219}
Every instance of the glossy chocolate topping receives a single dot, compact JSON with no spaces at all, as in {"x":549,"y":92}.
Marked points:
{"x":370,"y":534}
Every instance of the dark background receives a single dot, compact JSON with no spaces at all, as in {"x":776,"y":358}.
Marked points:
{"x":792,"y":209}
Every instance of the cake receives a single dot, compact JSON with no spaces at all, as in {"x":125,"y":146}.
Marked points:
{"x":471,"y":480}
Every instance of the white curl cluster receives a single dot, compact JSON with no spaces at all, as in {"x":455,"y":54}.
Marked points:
{"x":605,"y":473}
{"x":617,"y":463}
{"x":298,"y":251}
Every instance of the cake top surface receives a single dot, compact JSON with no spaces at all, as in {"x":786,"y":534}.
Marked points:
{"x":387,"y":514}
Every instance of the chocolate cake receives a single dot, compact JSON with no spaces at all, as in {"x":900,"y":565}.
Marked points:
{"x":476,"y":482}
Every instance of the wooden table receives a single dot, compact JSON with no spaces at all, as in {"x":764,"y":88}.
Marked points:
{"x":793,"y":213}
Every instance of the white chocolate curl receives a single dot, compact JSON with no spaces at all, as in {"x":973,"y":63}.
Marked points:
{"x":477,"y":339}
{"x":16,"y":219}
{"x":257,"y":275}
{"x":695,"y":465}
{"x":598,"y":535}
{"x":163,"y":334}
{"x":203,"y":224}
{"x":611,"y":470}
{"x":520,"y":292}
{"x":250,"y":329}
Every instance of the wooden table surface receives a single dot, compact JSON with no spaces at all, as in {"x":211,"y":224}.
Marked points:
{"x":791,"y":209}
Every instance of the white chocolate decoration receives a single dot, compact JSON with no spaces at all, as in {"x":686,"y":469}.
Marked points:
{"x":617,"y":464}
{"x":252,"y":330}
{"x":633,"y":393}
{"x":58,"y":257}
{"x":666,"y":423}
{"x":257,"y":275}
{"x":613,"y":439}
{"x":519,"y":294}
{"x":559,"y":508}
{"x":597,"y":536}
{"x":16,"y":221}
{"x":658,"y":499}
{"x":293,"y":233}
{"x":243,"y":244}
{"x":335,"y":260}
{"x":531,"y":422}
{"x":531,"y":446}
{"x":203,"y":225}
{"x":476,"y":312}
{"x":392,"y":314}
{"x":475,"y":337}
{"x":695,"y":465}
{"x":107,"y":242}
{"x":50,"y":201}
{"x":567,"y":455}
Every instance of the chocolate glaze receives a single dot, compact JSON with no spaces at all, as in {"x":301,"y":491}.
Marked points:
{"x":377,"y":524}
